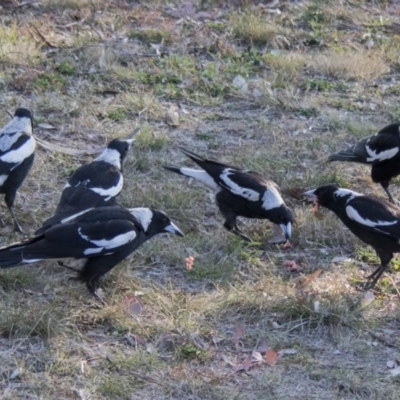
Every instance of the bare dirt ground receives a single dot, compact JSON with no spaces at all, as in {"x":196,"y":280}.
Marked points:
{"x":270,"y":86}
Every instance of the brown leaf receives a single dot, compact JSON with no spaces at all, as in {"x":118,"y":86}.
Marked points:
{"x":238,"y":333}
{"x":245,"y":365}
{"x":302,"y":281}
{"x":132,"y":305}
{"x":271,"y":357}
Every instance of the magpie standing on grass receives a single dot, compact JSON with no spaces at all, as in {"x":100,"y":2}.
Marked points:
{"x":382,"y":151}
{"x":96,"y":184}
{"x":374,"y":221}
{"x":99,"y":238}
{"x":239,"y":192}
{"x":17,"y":149}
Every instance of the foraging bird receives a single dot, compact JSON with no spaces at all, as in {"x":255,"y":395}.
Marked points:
{"x":96,"y":184}
{"x":382,"y":151}
{"x":17,"y":148}
{"x":99,"y":238}
{"x":374,"y":221}
{"x":239,"y":192}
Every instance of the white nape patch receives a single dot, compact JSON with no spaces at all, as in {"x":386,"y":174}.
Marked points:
{"x":383,"y":155}
{"x":247,"y":193}
{"x":355,"y":216}
{"x":201,"y":176}
{"x":116,"y":241}
{"x":3,"y":178}
{"x":111,"y":192}
{"x":347,"y":192}
{"x":143,"y":215}
{"x":271,"y":198}
{"x":18,"y":155}
{"x":63,"y":221}
{"x":17,"y":124}
{"x":110,"y":156}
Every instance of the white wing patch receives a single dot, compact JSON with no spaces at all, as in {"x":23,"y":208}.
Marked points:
{"x":355,"y":216}
{"x":247,"y":193}
{"x":110,"y":156}
{"x":201,"y":176}
{"x":102,"y":244}
{"x":383,"y":155}
{"x":271,"y":198}
{"x":143,"y":215}
{"x":3,"y":178}
{"x":111,"y":192}
{"x":20,"y":154}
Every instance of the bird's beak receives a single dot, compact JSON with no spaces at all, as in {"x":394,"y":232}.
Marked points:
{"x":287,"y":230}
{"x":172,"y":228}
{"x":309,"y":193}
{"x":131,"y":135}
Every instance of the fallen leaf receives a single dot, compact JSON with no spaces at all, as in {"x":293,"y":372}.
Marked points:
{"x":286,"y":351}
{"x":132,"y":305}
{"x":271,"y":357}
{"x":245,"y":365}
{"x":257,"y":356}
{"x":238,"y":333}
{"x":302,"y":281}
{"x":46,"y":126}
{"x":263,"y":346}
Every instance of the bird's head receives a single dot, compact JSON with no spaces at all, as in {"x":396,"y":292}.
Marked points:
{"x":154,"y":222}
{"x":24,"y":113}
{"x":283,"y":217}
{"x":330,"y":196}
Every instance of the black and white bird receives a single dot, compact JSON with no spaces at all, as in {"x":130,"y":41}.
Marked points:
{"x":374,"y":221}
{"x":17,"y":150}
{"x":382,"y":151}
{"x":99,"y":238}
{"x":96,"y":184}
{"x":239,"y":192}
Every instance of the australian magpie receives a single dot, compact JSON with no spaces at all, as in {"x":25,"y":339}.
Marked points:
{"x":374,"y":221}
{"x":382,"y":151}
{"x":17,"y":149}
{"x":96,"y":184}
{"x":99,"y":238}
{"x":239,"y":192}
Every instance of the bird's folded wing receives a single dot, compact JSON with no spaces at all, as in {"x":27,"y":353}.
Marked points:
{"x":373,"y":216}
{"x":382,"y":147}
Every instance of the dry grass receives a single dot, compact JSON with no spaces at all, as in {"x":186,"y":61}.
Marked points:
{"x":360,"y":65}
{"x":93,"y":73}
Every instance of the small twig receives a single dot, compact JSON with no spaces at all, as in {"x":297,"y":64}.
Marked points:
{"x":394,"y":285}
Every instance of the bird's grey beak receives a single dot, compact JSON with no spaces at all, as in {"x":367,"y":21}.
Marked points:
{"x":287,"y":230}
{"x":131,"y":135}
{"x":309,"y":193}
{"x":172,"y":228}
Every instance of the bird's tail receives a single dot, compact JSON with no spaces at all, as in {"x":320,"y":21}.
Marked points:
{"x":346,"y":156}
{"x":18,"y":254}
{"x":197,"y":174}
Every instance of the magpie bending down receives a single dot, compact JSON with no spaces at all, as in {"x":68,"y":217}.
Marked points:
{"x":17,"y":148}
{"x":96,"y":184}
{"x":374,"y":221}
{"x":382,"y":151}
{"x":99,"y":238}
{"x":239,"y":192}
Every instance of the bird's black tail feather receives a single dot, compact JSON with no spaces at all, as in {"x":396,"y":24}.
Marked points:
{"x":18,"y":254}
{"x":346,"y":156}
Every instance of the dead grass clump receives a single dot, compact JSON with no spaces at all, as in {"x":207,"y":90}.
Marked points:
{"x":17,"y":48}
{"x":365,"y":65}
{"x":252,"y":29}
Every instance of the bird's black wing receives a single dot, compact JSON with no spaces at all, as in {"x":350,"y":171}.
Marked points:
{"x":382,"y":146}
{"x":92,"y":185}
{"x":374,"y":215}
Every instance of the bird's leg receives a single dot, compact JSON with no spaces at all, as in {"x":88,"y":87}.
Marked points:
{"x":17,"y":226}
{"x":375,"y":275}
{"x":385,"y":186}
{"x":231,"y":225}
